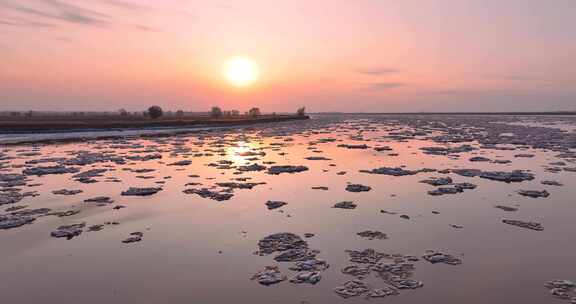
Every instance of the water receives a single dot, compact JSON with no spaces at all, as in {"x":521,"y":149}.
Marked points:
{"x":197,"y":250}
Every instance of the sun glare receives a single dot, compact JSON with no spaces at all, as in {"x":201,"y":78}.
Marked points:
{"x":241,"y":71}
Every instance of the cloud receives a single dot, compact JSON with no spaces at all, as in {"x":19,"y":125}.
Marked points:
{"x":380,"y":86}
{"x":39,"y":13}
{"x":24,"y":23}
{"x":514,"y":77}
{"x":145,"y":28}
{"x":124,"y":4}
{"x":475,"y":91}
{"x":375,"y":71}
{"x":60,"y":11}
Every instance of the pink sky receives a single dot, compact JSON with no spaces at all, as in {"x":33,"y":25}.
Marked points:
{"x":363,"y":55}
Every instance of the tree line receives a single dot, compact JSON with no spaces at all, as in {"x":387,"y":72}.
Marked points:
{"x":156,"y":112}
{"x":153,"y":112}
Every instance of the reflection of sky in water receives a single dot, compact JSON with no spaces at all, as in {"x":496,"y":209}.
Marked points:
{"x":178,"y":260}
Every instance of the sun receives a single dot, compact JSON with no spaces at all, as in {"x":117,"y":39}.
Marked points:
{"x":241,"y":71}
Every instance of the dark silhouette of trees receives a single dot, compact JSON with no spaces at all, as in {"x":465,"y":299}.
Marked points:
{"x":254,"y":112}
{"x":155,"y":112}
{"x":216,"y":112}
{"x":301,"y":111}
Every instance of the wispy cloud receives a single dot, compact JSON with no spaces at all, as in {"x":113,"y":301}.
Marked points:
{"x":52,"y":13}
{"x":124,"y":4}
{"x":476,"y":91}
{"x":59,"y":11}
{"x":513,"y":77}
{"x":24,"y":23}
{"x":145,"y":28}
{"x":381,"y":86}
{"x":375,"y":71}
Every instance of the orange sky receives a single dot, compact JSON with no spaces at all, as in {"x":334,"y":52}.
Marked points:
{"x":377,"y":55}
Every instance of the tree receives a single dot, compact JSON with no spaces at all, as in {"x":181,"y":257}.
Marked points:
{"x":254,"y":112}
{"x":155,"y":112}
{"x":301,"y":111}
{"x":216,"y":112}
{"x":179,"y":113}
{"x":123,"y":112}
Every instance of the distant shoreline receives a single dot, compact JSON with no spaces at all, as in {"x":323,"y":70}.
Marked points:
{"x":565,"y":113}
{"x":40,"y":125}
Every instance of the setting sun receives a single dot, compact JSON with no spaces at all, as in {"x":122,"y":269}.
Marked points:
{"x":241,"y":71}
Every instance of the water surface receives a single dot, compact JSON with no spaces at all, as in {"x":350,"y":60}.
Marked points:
{"x":198,"y":250}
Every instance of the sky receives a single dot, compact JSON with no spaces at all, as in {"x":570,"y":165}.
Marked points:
{"x":327,"y":55}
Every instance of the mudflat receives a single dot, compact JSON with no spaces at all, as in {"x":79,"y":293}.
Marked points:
{"x":335,"y":209}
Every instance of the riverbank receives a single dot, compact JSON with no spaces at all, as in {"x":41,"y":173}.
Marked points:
{"x":48,"y":125}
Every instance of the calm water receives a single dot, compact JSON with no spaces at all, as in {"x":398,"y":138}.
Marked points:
{"x":198,"y":250}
